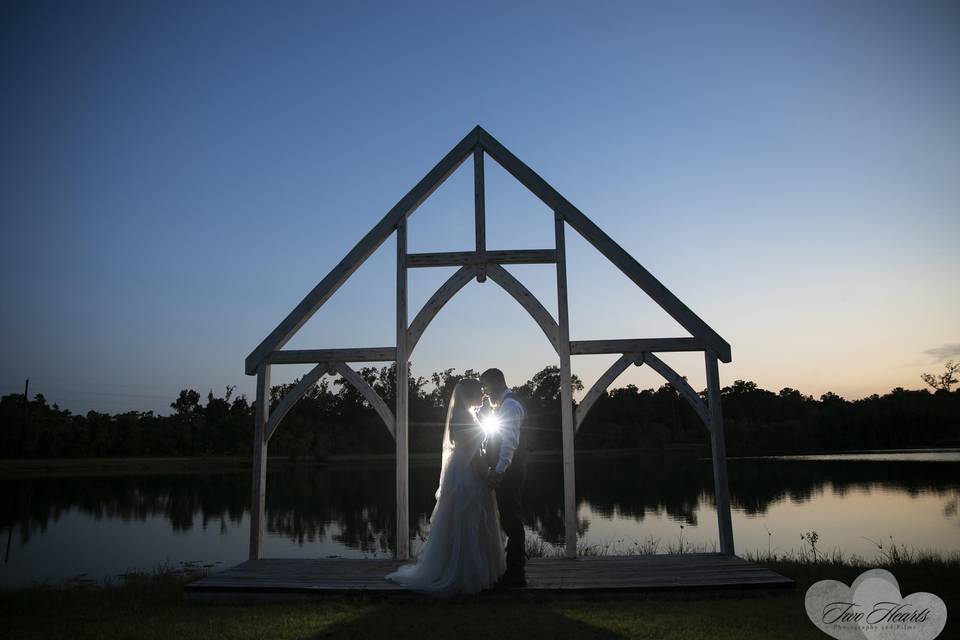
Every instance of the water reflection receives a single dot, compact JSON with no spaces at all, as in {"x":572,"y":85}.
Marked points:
{"x":349,"y":510}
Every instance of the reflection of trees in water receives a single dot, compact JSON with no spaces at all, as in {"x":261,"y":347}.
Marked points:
{"x":355,"y":505}
{"x":756,"y":484}
{"x":357,"y":502}
{"x":30,"y":504}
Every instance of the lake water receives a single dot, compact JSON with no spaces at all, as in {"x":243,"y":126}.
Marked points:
{"x":59,"y":528}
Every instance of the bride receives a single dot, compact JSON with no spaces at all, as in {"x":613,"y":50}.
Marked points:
{"x":464,"y":551}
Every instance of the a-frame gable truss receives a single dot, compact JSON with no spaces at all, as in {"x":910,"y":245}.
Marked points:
{"x":704,"y":336}
{"x":482,"y":264}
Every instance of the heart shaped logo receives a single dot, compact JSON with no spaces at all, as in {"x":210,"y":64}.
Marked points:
{"x":918,"y":616}
{"x":827,"y":603}
{"x":872,"y":608}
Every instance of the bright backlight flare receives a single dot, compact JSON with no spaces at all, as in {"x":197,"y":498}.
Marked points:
{"x":490,"y":424}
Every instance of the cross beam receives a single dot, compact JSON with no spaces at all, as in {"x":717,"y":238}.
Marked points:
{"x":586,"y":347}
{"x":311,"y":356}
{"x":478,"y":258}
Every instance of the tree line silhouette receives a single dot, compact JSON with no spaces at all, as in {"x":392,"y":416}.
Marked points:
{"x":333,"y":418}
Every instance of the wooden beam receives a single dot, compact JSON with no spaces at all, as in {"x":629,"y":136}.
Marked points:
{"x":480,"y":213}
{"x":363,"y":249}
{"x":718,"y":450}
{"x":310,"y":356}
{"x":259,"y":475}
{"x":522,"y":256}
{"x":473,"y":258}
{"x":432,"y":307}
{"x":605,"y":244}
{"x":442,"y":259}
{"x":402,"y":548}
{"x":528,"y":301}
{"x":369,"y":394}
{"x":587,"y":347}
{"x":681,"y":385}
{"x":567,"y":428}
{"x":601,"y":385}
{"x":292,"y":396}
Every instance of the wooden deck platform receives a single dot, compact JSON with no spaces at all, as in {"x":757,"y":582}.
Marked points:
{"x":284,"y":579}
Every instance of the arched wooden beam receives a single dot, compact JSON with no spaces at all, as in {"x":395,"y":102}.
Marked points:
{"x":443,"y":295}
{"x":528,"y":301}
{"x":290,"y":399}
{"x":603,"y":243}
{"x":681,"y":385}
{"x":363,"y":249}
{"x":310,"y":379}
{"x":601,"y":385}
{"x":369,"y":394}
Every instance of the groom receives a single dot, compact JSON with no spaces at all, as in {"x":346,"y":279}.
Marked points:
{"x":508,"y":471}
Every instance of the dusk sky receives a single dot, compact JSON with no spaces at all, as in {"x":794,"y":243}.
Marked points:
{"x":175,"y":177}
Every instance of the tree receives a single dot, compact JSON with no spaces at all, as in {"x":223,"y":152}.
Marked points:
{"x":333,"y":418}
{"x":946,"y":380}
{"x":187,"y":403}
{"x":545,"y":385}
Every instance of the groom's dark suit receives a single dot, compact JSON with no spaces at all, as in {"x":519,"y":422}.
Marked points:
{"x":510,"y":491}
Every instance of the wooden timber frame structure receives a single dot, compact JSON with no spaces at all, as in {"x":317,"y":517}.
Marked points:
{"x":483,"y":264}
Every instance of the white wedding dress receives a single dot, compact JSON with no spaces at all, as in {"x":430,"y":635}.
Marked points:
{"x":464,"y":551}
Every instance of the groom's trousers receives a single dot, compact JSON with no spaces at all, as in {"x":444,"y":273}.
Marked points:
{"x":510,"y":506}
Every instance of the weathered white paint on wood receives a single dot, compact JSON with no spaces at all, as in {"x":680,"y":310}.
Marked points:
{"x":259,"y":475}
{"x":719,"y":451}
{"x":655,"y":363}
{"x":480,"y":213}
{"x":526,"y":176}
{"x":402,"y":547}
{"x":310,"y":356}
{"x":291,"y":397}
{"x":601,"y":385}
{"x":692,"y":397}
{"x":363,"y":249}
{"x":605,"y":244}
{"x":476,"y":259}
{"x":479,"y":263}
{"x":310,"y":379}
{"x":566,"y":398}
{"x":369,"y":394}
{"x":528,"y":301}
{"x":639,"y":345}
{"x":432,"y":307}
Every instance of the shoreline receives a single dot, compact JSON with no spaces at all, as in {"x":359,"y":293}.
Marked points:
{"x":32,"y":467}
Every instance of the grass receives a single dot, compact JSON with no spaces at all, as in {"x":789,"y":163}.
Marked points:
{"x":150,"y":605}
{"x":537,"y":548}
{"x":888,"y":554}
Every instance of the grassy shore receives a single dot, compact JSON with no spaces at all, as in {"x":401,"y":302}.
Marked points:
{"x":151,"y":606}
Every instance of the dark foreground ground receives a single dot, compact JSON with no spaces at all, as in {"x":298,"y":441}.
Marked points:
{"x":151,"y":606}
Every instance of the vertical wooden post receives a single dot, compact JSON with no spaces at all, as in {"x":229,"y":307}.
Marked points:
{"x":402,"y":550}
{"x":718,"y":448}
{"x":25,"y":432}
{"x":258,"y":492}
{"x":480,"y":212}
{"x":566,"y":396}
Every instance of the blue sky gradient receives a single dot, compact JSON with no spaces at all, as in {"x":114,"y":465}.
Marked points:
{"x":174,"y":178}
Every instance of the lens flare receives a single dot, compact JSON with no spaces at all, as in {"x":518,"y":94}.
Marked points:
{"x":490,"y":424}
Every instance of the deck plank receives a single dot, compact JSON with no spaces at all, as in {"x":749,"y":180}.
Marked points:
{"x":273,"y":577}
